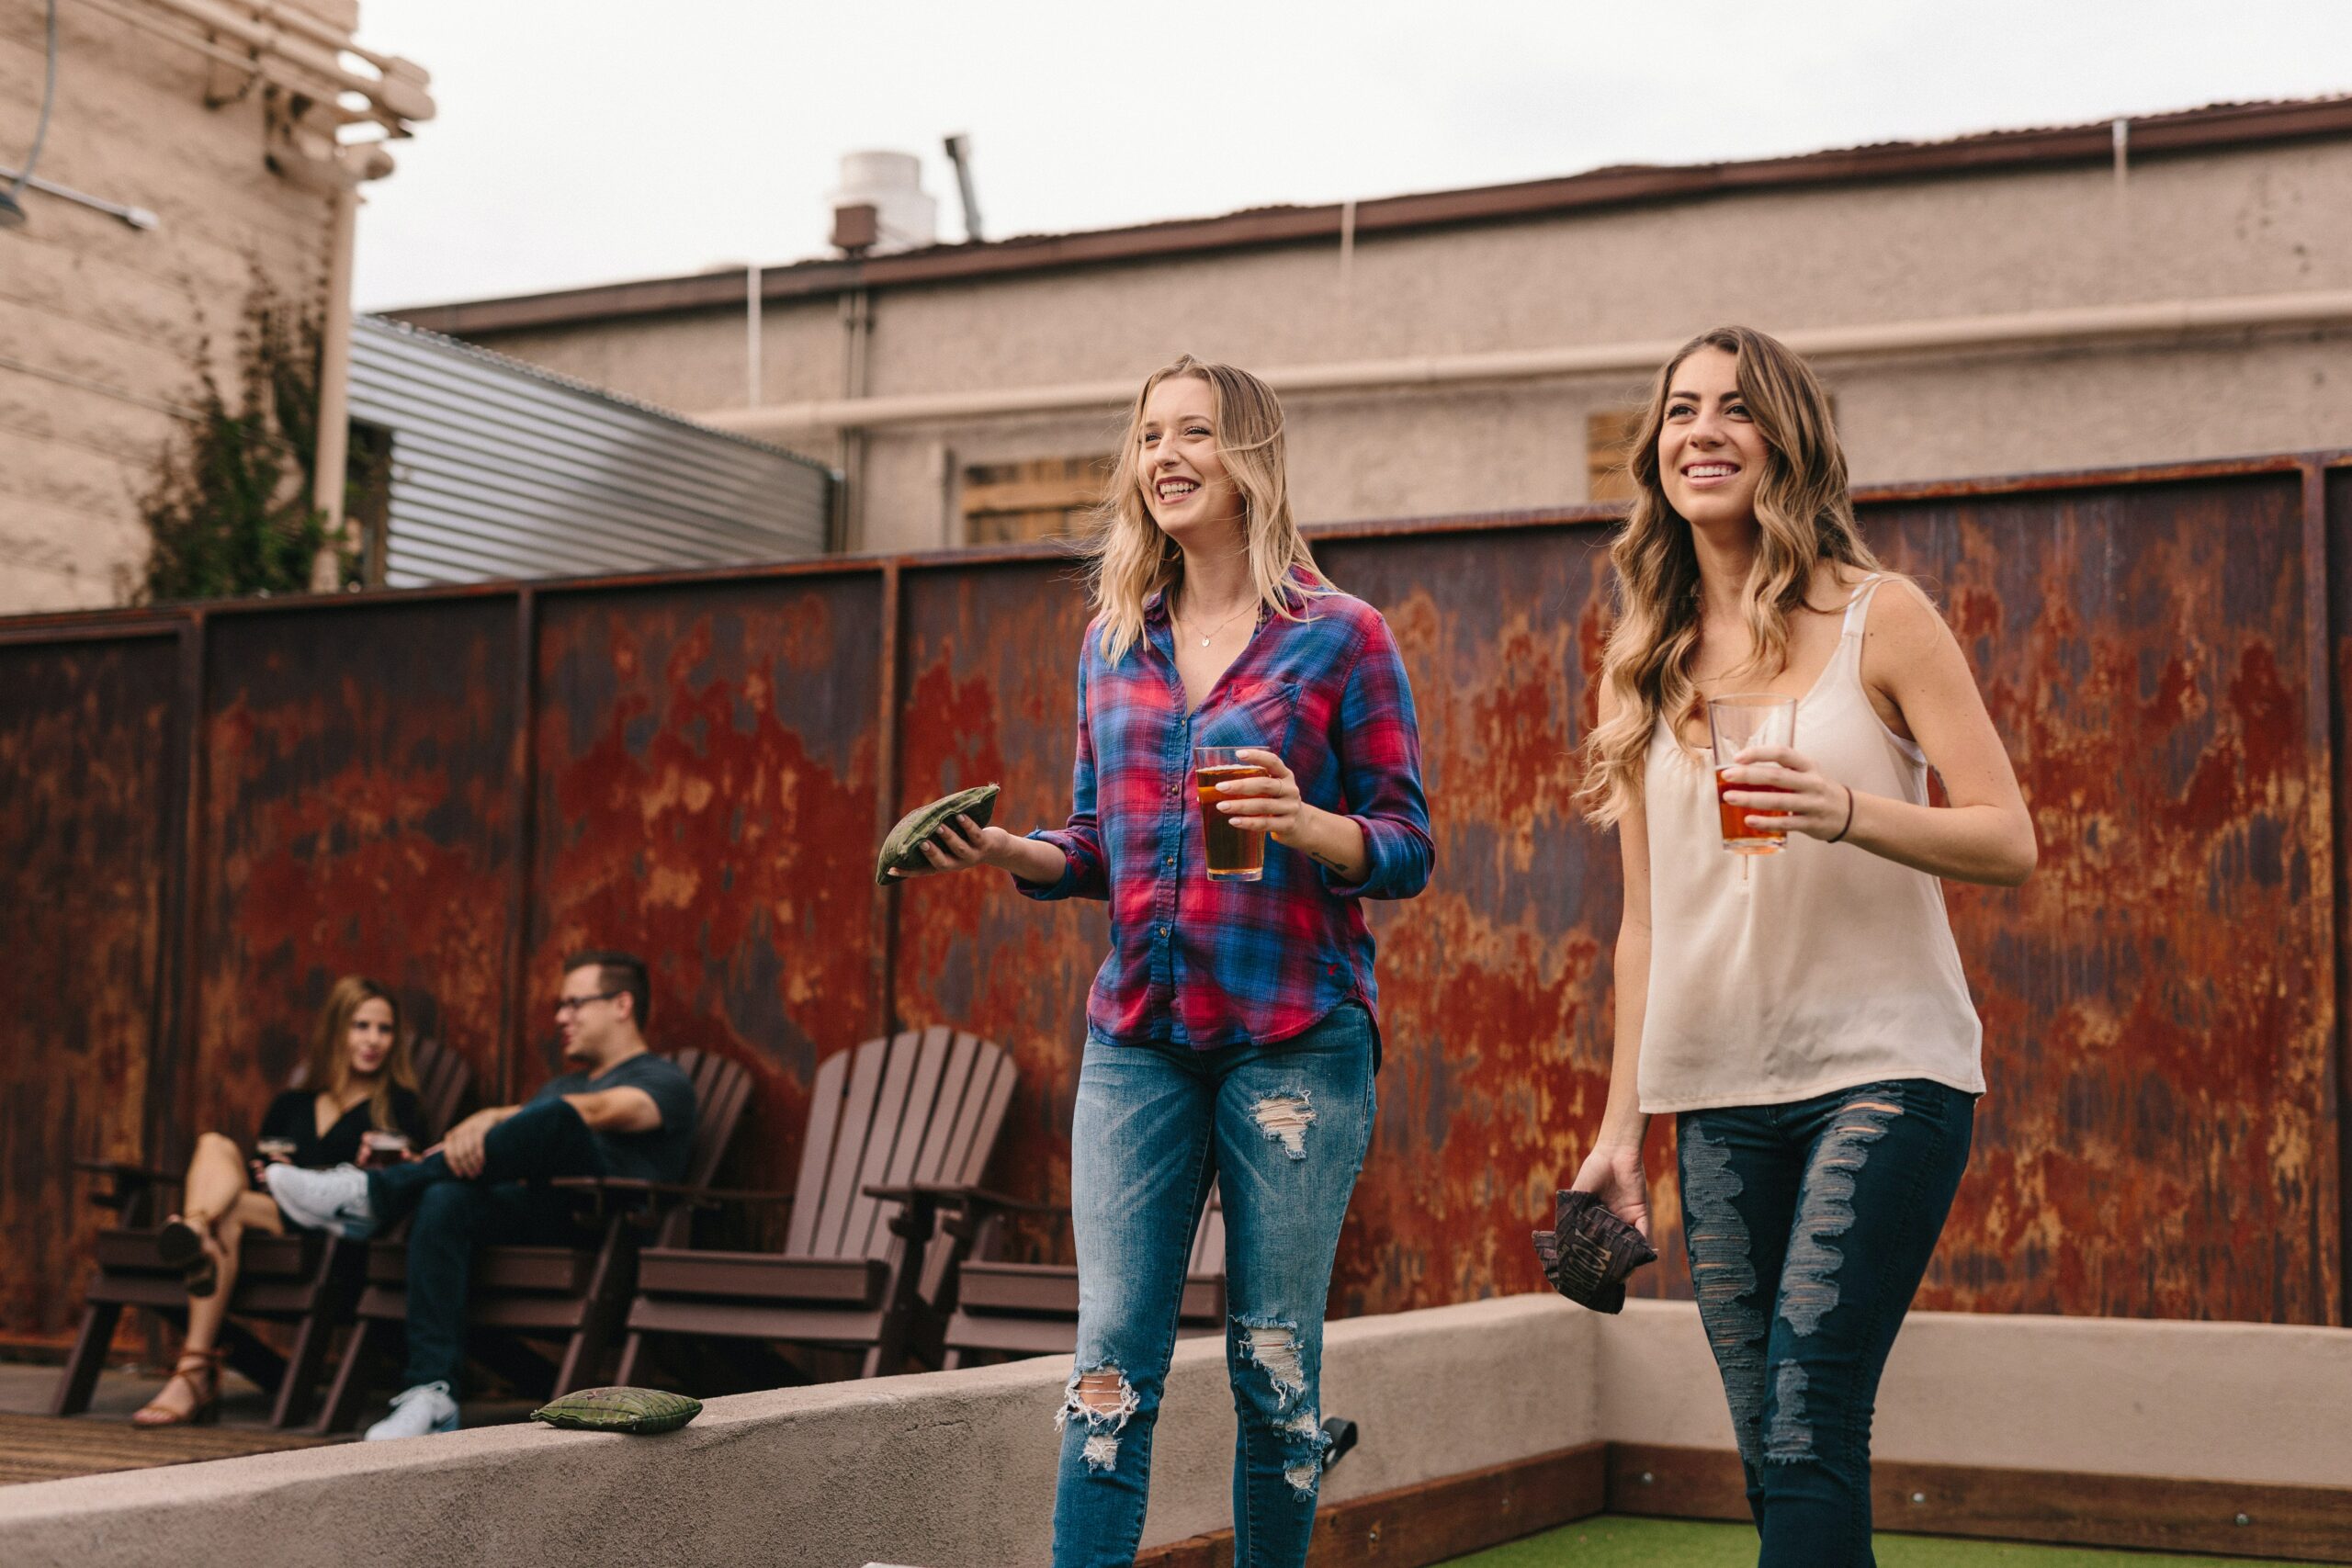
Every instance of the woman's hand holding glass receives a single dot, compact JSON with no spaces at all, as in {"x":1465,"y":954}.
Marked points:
{"x":1270,"y":803}
{"x":1816,"y":807}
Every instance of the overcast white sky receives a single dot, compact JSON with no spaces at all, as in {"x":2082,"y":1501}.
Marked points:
{"x":599,"y":139}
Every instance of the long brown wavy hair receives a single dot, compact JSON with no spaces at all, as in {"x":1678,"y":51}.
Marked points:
{"x":328,"y":1070}
{"x":1803,"y":512}
{"x":1129,"y":558}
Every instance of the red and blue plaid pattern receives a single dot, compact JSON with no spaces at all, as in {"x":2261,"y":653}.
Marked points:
{"x":1211,"y":963}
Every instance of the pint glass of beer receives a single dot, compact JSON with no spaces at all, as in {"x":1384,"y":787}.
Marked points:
{"x":1234,"y":855}
{"x":268,"y":1152}
{"x":1735,"y":723}
{"x":380,"y":1148}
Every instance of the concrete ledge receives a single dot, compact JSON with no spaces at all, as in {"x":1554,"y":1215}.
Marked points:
{"x":945,"y":1470}
{"x":2105,"y":1396}
{"x":957,"y":1469}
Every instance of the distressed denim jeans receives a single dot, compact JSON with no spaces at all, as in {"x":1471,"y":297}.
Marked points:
{"x":1282,"y":1129}
{"x":1809,"y":1227}
{"x":508,"y":1205}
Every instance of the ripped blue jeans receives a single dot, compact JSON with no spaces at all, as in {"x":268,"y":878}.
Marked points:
{"x":1282,"y":1130}
{"x":1809,"y":1227}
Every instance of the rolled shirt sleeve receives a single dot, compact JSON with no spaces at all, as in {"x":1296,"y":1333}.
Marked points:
{"x":1380,"y":773}
{"x":1084,"y":875}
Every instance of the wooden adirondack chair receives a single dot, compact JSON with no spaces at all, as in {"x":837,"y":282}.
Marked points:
{"x":307,"y":1278}
{"x":895,"y":1126}
{"x":574,"y":1294}
{"x":1031,"y":1309}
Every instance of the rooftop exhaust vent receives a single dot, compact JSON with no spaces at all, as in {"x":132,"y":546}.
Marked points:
{"x":896,"y":216}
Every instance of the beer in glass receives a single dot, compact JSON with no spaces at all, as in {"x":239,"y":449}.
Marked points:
{"x":1735,"y":723}
{"x":1234,"y":854}
{"x":378,"y":1148}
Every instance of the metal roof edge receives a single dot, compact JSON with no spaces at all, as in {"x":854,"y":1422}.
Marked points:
{"x":2209,"y":127}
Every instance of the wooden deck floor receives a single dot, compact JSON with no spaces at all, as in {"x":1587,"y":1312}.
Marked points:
{"x":39,"y":1447}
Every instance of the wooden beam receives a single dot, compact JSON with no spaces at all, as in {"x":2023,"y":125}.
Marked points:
{"x":1432,"y":1521}
{"x":2147,"y":1513}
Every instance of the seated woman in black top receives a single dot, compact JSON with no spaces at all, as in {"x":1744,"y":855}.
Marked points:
{"x":359,"y":1079}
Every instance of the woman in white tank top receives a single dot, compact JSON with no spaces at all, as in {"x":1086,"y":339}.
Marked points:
{"x":1803,"y":1014}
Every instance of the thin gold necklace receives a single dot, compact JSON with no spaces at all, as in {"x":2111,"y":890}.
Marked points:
{"x":1223,"y":624}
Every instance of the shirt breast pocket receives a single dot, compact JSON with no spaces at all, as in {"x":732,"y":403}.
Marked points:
{"x":1263,"y":716}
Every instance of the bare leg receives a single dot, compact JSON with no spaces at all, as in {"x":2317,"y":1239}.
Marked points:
{"x":216,"y":1179}
{"x":220,"y":1206}
{"x":252,"y":1210}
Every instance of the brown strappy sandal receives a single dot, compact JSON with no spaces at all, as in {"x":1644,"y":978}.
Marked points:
{"x":200,"y":1369}
{"x":187,"y":1247}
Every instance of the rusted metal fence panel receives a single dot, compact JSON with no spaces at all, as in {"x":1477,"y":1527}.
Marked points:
{"x":1495,"y":982}
{"x":707,"y":778}
{"x":2336,"y":518}
{"x":454,"y":789}
{"x":989,"y":694}
{"x":89,"y":750}
{"x":2158,"y":1139}
{"x":356,"y":818}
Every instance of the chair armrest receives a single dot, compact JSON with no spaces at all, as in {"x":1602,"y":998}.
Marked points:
{"x":952,"y":1196}
{"x":130,"y":1182}
{"x":962,"y":1206}
{"x":603,"y":1187}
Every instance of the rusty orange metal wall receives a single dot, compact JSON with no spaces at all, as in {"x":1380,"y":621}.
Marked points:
{"x":987,"y":694}
{"x":2158,"y":1134}
{"x":89,"y":764}
{"x":356,"y":818}
{"x":454,"y":789}
{"x":706,"y":764}
{"x":1495,"y":982}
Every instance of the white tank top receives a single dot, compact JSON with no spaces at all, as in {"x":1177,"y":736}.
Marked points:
{"x":1829,"y":966}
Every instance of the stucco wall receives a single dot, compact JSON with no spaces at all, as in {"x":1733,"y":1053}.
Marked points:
{"x":2257,"y":221}
{"x":100,"y":323}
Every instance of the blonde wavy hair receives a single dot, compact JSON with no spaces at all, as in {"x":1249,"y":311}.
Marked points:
{"x":1805,"y":516}
{"x":328,"y":1070}
{"x":1128,"y":559}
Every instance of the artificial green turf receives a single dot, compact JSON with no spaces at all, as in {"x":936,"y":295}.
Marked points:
{"x":1611,"y":1541}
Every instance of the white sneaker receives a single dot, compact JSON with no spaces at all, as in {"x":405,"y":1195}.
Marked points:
{"x":416,"y":1413}
{"x":333,"y":1199}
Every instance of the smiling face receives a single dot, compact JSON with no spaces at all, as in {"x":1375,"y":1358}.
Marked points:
{"x":589,"y":1014}
{"x":1710,"y":453}
{"x":367,"y":1043}
{"x":1186,"y":488}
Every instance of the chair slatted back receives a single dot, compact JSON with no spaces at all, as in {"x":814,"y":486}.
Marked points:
{"x":922,"y":1105}
{"x":443,"y":1078}
{"x":722,"y":1089}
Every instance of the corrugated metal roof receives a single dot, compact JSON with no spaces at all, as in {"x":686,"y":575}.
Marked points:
{"x":501,"y":470}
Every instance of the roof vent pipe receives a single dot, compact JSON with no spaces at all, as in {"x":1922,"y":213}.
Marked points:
{"x":891,"y":184}
{"x":959,"y":153}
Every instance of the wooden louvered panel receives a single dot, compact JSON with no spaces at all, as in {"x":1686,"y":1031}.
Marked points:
{"x":1044,"y":498}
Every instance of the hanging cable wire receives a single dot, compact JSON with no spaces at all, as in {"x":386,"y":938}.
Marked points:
{"x":12,"y":210}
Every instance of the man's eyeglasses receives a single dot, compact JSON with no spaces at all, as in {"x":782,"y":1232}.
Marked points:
{"x":573,"y":1004}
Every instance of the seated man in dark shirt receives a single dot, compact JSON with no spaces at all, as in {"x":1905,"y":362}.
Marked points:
{"x":622,"y":1111}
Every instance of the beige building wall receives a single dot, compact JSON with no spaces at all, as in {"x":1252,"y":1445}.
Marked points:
{"x":2258,"y":219}
{"x":105,"y":330}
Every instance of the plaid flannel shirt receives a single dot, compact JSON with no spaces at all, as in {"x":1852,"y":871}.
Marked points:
{"x":1210,"y":963}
